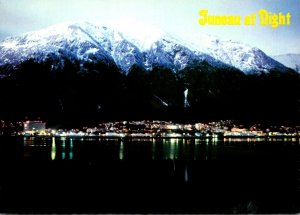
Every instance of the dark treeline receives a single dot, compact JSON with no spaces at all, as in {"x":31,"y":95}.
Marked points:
{"x":94,"y":92}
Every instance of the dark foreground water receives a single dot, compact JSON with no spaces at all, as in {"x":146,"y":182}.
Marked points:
{"x":73,"y":175}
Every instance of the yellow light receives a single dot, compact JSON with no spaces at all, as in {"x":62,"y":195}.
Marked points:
{"x":53,"y":149}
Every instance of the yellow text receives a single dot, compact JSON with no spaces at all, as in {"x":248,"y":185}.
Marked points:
{"x":206,"y":19}
{"x":274,"y":20}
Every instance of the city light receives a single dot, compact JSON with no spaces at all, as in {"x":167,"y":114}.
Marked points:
{"x":159,"y":129}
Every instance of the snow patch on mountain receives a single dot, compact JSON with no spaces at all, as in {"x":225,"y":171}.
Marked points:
{"x":138,"y":33}
{"x":239,"y":55}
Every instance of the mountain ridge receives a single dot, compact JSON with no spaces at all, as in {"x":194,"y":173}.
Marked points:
{"x":88,"y":42}
{"x":289,"y":60}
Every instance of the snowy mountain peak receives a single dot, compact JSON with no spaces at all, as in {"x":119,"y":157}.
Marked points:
{"x":141,"y":34}
{"x":131,"y":44}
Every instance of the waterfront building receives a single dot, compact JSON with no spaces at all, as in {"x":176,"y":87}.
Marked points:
{"x":34,"y":127}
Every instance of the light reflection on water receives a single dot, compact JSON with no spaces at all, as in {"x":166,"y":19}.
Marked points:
{"x":71,"y":149}
{"x":58,"y":149}
{"x":155,"y":149}
{"x":53,"y":149}
{"x":121,"y":152}
{"x":177,"y":166}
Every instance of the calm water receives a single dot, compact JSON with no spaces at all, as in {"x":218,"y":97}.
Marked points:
{"x":73,"y":175}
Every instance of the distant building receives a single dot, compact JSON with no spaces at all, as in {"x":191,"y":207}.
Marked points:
{"x":34,"y":127}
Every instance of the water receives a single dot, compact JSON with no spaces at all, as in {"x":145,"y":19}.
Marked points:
{"x":74,"y":175}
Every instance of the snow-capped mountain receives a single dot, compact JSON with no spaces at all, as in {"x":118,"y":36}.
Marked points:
{"x":289,"y":60}
{"x":241,"y":56}
{"x":88,"y":42}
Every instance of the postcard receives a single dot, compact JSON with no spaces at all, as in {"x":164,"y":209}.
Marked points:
{"x":170,"y":106}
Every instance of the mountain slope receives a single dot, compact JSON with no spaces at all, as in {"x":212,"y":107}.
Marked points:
{"x":241,"y":56}
{"x":289,"y":60}
{"x":90,"y":43}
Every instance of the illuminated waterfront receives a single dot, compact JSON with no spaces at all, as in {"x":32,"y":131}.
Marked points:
{"x":154,"y":129}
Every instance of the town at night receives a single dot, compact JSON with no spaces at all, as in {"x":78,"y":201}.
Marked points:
{"x":154,"y":129}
